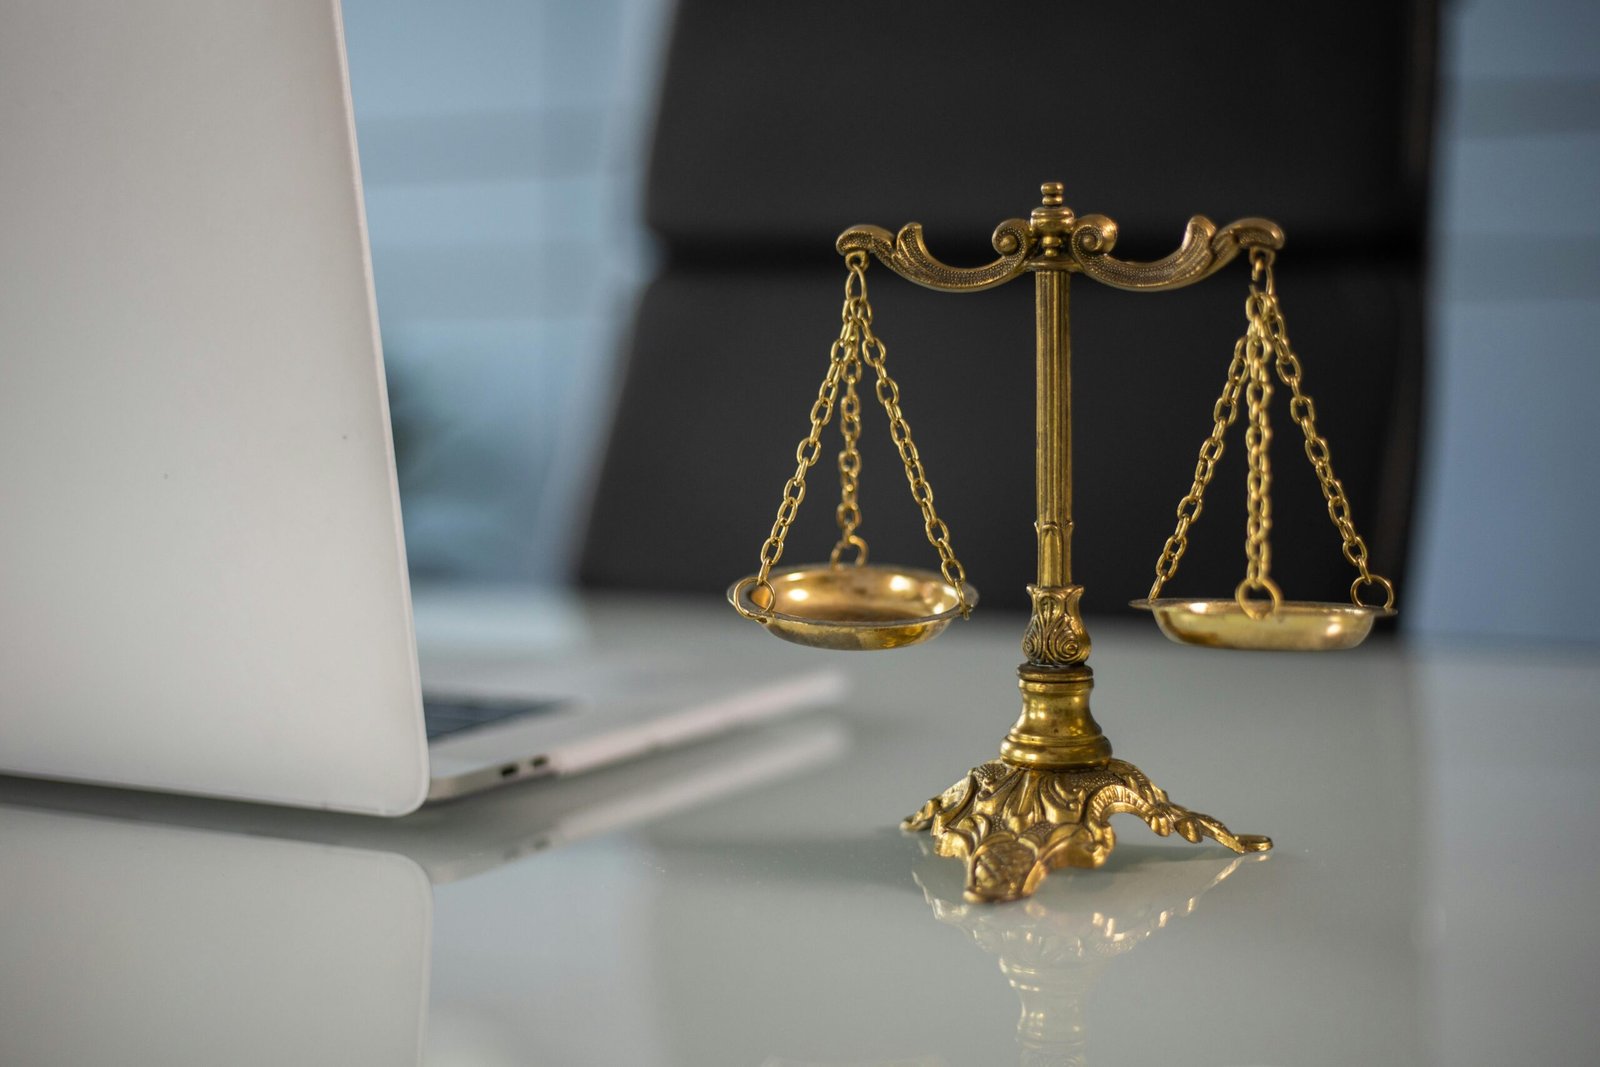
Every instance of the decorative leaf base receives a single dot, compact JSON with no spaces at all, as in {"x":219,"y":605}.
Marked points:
{"x":1013,"y":824}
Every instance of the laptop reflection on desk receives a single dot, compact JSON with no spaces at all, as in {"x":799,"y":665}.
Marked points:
{"x":141,"y":928}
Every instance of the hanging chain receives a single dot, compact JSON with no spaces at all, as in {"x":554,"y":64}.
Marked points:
{"x":1266,"y":340}
{"x":1223,"y":414}
{"x":848,"y":513}
{"x":1257,"y":442}
{"x":1304,"y":412}
{"x":888,"y":393}
{"x":806,"y":454}
{"x":856,"y":344}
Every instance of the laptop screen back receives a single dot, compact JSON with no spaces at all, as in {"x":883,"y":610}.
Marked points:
{"x":202,"y":576}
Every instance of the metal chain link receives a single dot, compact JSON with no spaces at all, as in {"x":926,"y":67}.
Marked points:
{"x":848,"y":513}
{"x":1304,"y":413}
{"x":794,"y":490}
{"x":1257,"y":442}
{"x":1266,"y":340}
{"x":887,"y":390}
{"x":1223,"y":414}
{"x":856,"y":344}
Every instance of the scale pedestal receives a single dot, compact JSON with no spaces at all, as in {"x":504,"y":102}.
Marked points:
{"x":1047,"y":801}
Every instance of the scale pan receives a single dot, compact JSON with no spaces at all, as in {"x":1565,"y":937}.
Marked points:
{"x":1297,"y":625}
{"x":851,"y":608}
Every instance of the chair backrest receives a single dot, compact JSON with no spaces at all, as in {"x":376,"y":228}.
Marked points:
{"x":780,"y":125}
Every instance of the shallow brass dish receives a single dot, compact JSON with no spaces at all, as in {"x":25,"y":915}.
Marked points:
{"x":1296,"y":625}
{"x":851,"y":608}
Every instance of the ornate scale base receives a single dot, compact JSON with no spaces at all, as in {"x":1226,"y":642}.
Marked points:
{"x":1013,"y":825}
{"x":1048,"y":801}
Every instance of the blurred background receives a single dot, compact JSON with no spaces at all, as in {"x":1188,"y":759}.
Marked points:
{"x":602,"y":238}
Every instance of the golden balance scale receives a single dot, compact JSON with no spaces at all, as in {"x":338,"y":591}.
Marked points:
{"x":1048,"y":800}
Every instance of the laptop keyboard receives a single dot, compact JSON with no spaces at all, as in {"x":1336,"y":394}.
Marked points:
{"x":445,"y":716}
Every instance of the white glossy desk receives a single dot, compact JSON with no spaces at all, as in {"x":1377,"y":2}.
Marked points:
{"x":1430,"y":899}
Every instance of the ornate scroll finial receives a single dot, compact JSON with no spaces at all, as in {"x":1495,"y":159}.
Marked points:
{"x":1054,"y":238}
{"x":1052,"y":223}
{"x":906,"y":253}
{"x":1204,"y":251}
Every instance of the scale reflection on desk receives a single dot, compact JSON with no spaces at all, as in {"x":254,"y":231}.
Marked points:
{"x":1047,"y":801}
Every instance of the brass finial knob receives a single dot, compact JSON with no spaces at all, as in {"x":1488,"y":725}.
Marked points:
{"x":1051,"y":220}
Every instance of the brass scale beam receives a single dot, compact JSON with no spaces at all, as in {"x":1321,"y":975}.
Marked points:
{"x":1048,"y":800}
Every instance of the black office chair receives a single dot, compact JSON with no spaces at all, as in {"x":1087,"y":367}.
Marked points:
{"x":780,"y":125}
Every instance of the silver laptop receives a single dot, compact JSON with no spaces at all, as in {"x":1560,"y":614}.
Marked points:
{"x":203,"y":579}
